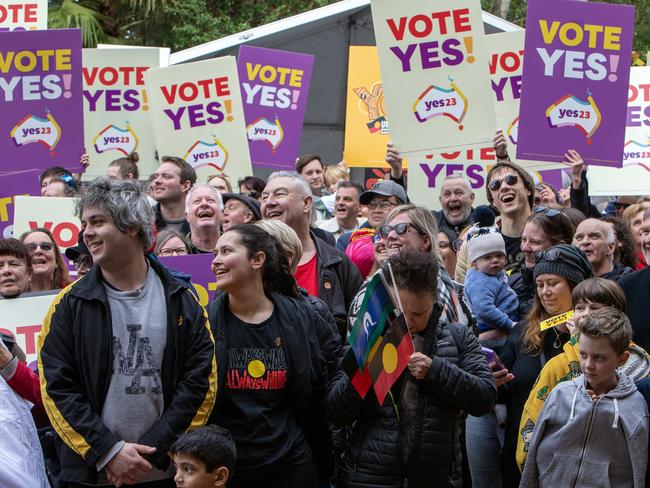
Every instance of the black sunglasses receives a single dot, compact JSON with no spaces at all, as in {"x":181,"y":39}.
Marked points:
{"x":510,"y":180}
{"x":400,"y":229}
{"x":548,"y":254}
{"x":549,"y":212}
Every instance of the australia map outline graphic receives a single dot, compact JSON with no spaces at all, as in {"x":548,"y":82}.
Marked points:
{"x":571,"y":111}
{"x":262,"y":129}
{"x":513,"y":130}
{"x":637,"y":153}
{"x":114,"y":138}
{"x":203,"y":153}
{"x":31,"y":128}
{"x":437,"y":101}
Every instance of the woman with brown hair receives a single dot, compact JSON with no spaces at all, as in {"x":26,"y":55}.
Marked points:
{"x":545,"y":227}
{"x":49,"y":272}
{"x":557,"y":271}
{"x":125,"y":168}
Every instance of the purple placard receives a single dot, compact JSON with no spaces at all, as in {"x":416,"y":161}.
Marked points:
{"x":553,"y":177}
{"x":575,"y":81}
{"x":274,"y":89}
{"x":40,"y":99}
{"x":12,"y":185}
{"x":198,"y":266}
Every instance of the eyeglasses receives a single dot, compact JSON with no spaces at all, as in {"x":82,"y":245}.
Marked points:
{"x":621,"y":206}
{"x":510,"y":180}
{"x":180,"y":251}
{"x":45,"y":246}
{"x":382,"y":204}
{"x":548,"y":254}
{"x":549,"y":212}
{"x":400,"y":229}
{"x":83,"y":261}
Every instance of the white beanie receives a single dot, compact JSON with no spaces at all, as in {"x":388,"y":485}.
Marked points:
{"x":482,"y":241}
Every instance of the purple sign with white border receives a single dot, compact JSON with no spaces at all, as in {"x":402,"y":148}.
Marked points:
{"x":41,"y":100}
{"x":575,"y":81}
{"x":11,"y":185}
{"x":274,"y":89}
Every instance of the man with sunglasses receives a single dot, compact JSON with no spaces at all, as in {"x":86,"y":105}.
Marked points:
{"x":511,"y":190}
{"x":380,"y":200}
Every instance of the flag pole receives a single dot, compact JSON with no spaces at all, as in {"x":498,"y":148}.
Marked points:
{"x":392,"y":278}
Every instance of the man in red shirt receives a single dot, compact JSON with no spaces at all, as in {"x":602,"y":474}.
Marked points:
{"x":323,"y":271}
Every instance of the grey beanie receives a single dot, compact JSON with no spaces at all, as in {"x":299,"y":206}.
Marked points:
{"x":482,"y":241}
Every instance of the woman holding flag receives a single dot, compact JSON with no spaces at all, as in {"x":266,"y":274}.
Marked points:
{"x":407,"y":433}
{"x":272,"y":378}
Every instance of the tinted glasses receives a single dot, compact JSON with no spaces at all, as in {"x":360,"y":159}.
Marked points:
{"x":510,"y":180}
{"x":549,"y":212}
{"x":400,"y":229}
{"x":45,"y":246}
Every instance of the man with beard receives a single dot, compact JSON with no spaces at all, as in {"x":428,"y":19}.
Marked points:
{"x":169,"y":186}
{"x":203,"y":207}
{"x":456,"y":199}
{"x":637,"y":291}
{"x":598,"y":241}
{"x":346,"y":209}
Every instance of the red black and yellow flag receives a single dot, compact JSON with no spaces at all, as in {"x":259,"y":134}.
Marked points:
{"x":391,"y":357}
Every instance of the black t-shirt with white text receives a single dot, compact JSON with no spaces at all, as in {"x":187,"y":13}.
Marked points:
{"x":257,"y":405}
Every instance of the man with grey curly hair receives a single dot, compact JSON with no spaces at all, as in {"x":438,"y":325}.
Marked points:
{"x":125,"y":353}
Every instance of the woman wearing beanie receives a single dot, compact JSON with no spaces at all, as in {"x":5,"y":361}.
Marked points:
{"x":557,"y":271}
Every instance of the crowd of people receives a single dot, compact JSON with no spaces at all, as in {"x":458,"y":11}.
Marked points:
{"x":528,"y":318}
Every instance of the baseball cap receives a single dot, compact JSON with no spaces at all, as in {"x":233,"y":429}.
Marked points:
{"x":385,"y":188}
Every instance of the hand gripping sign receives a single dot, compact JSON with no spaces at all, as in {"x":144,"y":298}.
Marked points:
{"x":441,"y":102}
{"x":570,"y":111}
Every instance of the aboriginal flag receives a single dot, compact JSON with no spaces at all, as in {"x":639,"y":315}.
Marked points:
{"x":391,"y":357}
{"x":360,"y":379}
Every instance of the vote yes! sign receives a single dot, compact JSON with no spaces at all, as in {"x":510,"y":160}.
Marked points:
{"x":575,"y":81}
{"x":20,"y":15}
{"x":196,"y":111}
{"x":40,"y":100}
{"x":435,"y":74}
{"x":275,"y":89}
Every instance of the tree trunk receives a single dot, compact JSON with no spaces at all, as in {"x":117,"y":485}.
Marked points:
{"x":501,"y":8}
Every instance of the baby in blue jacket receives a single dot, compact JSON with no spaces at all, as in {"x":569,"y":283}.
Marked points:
{"x":493,"y":302}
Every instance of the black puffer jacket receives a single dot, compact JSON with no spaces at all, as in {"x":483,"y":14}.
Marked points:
{"x":459,"y":379}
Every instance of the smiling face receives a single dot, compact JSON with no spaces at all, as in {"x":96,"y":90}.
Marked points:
{"x":533,"y":240}
{"x":107,"y":244}
{"x":14,"y":276}
{"x":592,"y":237}
{"x":233,"y":266}
{"x":283,"y":200}
{"x":52,"y":186}
{"x":554,"y":292}
{"x":166,"y":184}
{"x":235,"y":212}
{"x":635,"y":227}
{"x":456,"y":199}
{"x":346,"y":204}
{"x":312,"y":172}
{"x":41,"y":250}
{"x":203,"y":209}
{"x":411,"y":239}
{"x":510,"y":200}
{"x":449,"y":258}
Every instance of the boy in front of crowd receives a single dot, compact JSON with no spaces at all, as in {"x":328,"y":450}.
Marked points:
{"x":593,"y":429}
{"x":204,"y":458}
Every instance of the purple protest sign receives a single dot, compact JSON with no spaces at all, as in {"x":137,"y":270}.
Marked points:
{"x":11,"y":185}
{"x":575,"y":81}
{"x":198,"y":266}
{"x":274,"y":88}
{"x":40,"y":99}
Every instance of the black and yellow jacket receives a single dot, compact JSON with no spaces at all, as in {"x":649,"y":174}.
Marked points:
{"x":75,"y":361}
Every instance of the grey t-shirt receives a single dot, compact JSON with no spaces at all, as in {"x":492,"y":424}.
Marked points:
{"x":135,"y":397}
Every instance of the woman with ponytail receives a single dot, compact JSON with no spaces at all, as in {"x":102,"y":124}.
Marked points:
{"x":125,"y":168}
{"x":272,"y":377}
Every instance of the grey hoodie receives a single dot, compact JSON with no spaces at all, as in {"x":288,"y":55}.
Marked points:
{"x":585,"y":444}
